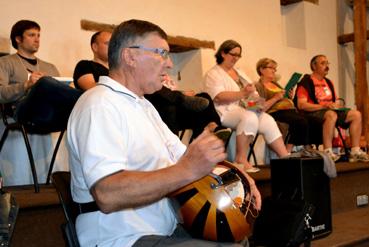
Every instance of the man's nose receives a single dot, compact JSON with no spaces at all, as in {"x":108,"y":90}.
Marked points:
{"x":169,"y":63}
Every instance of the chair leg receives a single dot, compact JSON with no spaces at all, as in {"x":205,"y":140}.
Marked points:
{"x":54,"y":156}
{"x":345,"y":148}
{"x":31,"y":160}
{"x":3,"y":138}
{"x":252,"y":152}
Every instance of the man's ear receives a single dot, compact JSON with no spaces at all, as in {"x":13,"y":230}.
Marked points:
{"x":128,"y":57}
{"x":18,"y":39}
{"x":94,"y":47}
{"x":313,"y":66}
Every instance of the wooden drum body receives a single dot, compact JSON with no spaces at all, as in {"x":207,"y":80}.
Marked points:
{"x":217,"y":207}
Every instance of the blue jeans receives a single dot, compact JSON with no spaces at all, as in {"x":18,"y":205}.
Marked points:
{"x":47,"y":106}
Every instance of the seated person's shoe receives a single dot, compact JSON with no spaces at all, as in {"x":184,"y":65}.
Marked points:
{"x":195,"y":103}
{"x":359,"y":156}
{"x":248,"y":170}
{"x":252,"y":170}
{"x":333,"y":156}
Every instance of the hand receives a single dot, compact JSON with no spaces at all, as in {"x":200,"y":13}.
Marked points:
{"x":255,"y":194}
{"x":290,"y":93}
{"x":33,"y":78}
{"x":211,"y":126}
{"x":279,"y":96}
{"x":189,"y":93}
{"x":260,"y":102}
{"x":203,"y":154}
{"x":332,"y":105}
{"x":168,"y":82}
{"x":248,"y":89}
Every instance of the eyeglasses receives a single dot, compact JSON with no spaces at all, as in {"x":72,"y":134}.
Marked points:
{"x":270,"y":67}
{"x":325,"y":63}
{"x":234,"y":54}
{"x":162,"y":52}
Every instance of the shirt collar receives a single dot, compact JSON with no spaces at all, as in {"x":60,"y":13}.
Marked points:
{"x":116,"y":86}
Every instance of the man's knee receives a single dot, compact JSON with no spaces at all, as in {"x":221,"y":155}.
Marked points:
{"x":354,"y":115}
{"x":330,"y":117}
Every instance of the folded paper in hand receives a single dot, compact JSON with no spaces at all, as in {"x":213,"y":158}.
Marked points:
{"x":295,"y":78}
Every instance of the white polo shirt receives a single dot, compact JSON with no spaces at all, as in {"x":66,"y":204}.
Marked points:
{"x":111,"y":129}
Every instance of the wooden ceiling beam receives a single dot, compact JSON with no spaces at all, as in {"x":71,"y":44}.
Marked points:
{"x":176,"y":43}
{"x":350,"y":37}
{"x":287,"y":2}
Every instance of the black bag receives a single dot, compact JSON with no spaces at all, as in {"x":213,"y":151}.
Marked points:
{"x":283,"y":223}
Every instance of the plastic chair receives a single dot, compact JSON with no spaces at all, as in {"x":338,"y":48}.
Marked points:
{"x":61,"y":181}
{"x":6,"y":113}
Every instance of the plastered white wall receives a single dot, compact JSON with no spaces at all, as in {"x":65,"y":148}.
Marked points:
{"x":291,"y":35}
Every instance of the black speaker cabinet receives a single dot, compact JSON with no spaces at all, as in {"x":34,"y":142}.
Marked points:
{"x":304,"y":179}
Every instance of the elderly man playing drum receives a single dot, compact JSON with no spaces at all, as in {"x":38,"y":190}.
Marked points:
{"x":125,"y":160}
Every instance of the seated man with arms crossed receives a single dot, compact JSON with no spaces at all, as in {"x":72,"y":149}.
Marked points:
{"x":124,"y":158}
{"x":316,"y":97}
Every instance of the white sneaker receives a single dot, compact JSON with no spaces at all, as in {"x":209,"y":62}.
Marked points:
{"x":359,"y":156}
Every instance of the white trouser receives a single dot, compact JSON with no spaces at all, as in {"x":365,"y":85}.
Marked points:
{"x":250,"y":123}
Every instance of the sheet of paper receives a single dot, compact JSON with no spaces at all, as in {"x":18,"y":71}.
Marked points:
{"x":295,"y":78}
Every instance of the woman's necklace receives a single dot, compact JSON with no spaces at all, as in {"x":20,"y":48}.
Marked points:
{"x":234,"y":75}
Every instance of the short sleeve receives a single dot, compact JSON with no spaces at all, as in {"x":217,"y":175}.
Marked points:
{"x":213,"y":83}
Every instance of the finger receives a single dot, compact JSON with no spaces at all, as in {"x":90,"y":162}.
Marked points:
{"x":211,"y":126}
{"x":214,"y":143}
{"x":216,"y":155}
{"x":257,"y":199}
{"x":206,"y":140}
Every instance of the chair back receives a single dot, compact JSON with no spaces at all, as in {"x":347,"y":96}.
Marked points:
{"x":6,"y":111}
{"x":61,"y":181}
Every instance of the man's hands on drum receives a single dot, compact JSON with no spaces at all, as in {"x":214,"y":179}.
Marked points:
{"x":203,"y":154}
{"x":255,"y":194}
